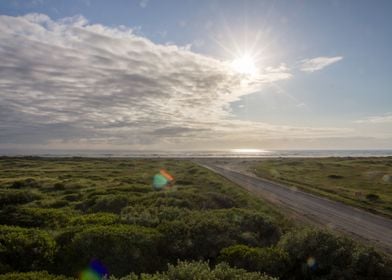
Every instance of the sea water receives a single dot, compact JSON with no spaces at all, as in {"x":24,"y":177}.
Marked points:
{"x":237,"y":153}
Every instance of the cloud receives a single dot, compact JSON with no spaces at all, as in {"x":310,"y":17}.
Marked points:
{"x":318,"y":63}
{"x":68,"y":82}
{"x":382,"y":119}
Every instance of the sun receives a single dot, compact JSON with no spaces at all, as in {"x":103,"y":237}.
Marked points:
{"x":244,"y":65}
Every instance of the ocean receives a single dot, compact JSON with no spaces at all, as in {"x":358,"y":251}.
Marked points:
{"x":237,"y":153}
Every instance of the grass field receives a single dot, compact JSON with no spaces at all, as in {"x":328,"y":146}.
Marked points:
{"x":57,"y":216}
{"x":361,"y":182}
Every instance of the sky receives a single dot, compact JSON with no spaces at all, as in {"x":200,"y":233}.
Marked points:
{"x":195,"y":75}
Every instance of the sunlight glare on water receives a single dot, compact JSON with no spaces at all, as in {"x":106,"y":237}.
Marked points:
{"x":248,"y":151}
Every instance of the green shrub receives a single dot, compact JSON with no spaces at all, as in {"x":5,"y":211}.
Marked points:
{"x":317,"y":254}
{"x":331,"y":254}
{"x":151,"y":216}
{"x":25,"y":249}
{"x":203,"y":234}
{"x":105,"y":203}
{"x":191,"y":199}
{"x":37,"y":217}
{"x":58,"y":203}
{"x":368,"y":264}
{"x":135,"y":188}
{"x":12,"y":197}
{"x":271,"y":260}
{"x":121,"y":248}
{"x":95,"y":219}
{"x":199,"y":271}
{"x":27,"y":183}
{"x":72,"y":197}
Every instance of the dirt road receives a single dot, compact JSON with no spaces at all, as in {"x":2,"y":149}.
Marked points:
{"x":332,"y":214}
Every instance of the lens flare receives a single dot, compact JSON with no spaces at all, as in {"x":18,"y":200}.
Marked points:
{"x":95,"y":271}
{"x":89,"y":274}
{"x":311,"y":263}
{"x":162,"y":179}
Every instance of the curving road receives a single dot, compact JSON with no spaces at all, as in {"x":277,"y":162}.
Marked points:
{"x":335,"y":215}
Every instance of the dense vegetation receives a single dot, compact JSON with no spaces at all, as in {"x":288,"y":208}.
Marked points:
{"x":361,"y":182}
{"x":57,"y":215}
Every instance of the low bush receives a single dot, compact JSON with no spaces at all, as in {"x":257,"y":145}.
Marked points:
{"x":203,"y":234}
{"x":151,"y":216}
{"x":369,"y":264}
{"x":271,"y":260}
{"x":191,"y":199}
{"x":317,"y":254}
{"x":12,"y":197}
{"x":122,"y":248}
{"x":95,"y":219}
{"x":36,"y":217}
{"x":25,"y":249}
{"x":27,"y":183}
{"x":199,"y":271}
{"x":105,"y":203}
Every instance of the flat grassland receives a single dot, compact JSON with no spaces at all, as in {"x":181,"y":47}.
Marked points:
{"x":360,"y":182}
{"x":59,"y":214}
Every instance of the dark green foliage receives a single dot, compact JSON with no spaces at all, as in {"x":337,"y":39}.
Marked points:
{"x":42,"y":275}
{"x":105,"y":203}
{"x":335,"y":257}
{"x":187,"y":198}
{"x":25,"y":249}
{"x":151,"y":216}
{"x":95,"y":219}
{"x":271,"y":260}
{"x":72,"y":197}
{"x":331,"y":254}
{"x":12,"y":197}
{"x":122,"y":248}
{"x":202,"y":235}
{"x":181,"y":271}
{"x":27,"y":183}
{"x":58,"y":203}
{"x":59,"y":186}
{"x":36,"y":217}
{"x":368,"y":264}
{"x":199,"y":271}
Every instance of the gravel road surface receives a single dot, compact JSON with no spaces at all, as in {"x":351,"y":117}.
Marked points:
{"x":332,"y":214}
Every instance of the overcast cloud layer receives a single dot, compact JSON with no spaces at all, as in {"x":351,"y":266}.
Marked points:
{"x":67,"y":82}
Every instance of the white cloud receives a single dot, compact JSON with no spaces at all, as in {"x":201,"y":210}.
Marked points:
{"x":69,"y":81}
{"x":382,"y":119}
{"x":318,"y":63}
